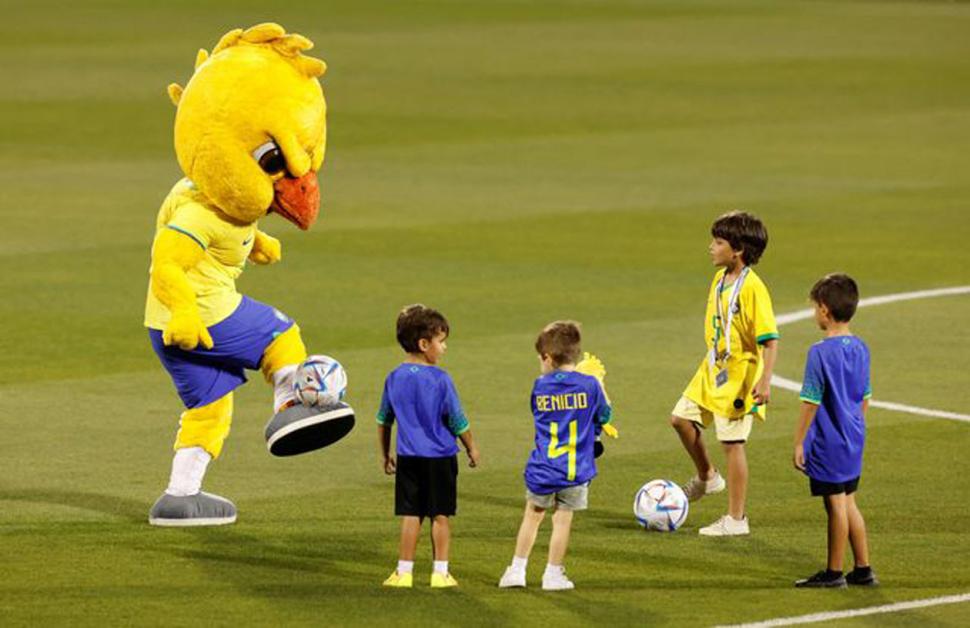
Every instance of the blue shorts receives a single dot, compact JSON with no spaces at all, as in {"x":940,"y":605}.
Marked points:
{"x":202,"y":375}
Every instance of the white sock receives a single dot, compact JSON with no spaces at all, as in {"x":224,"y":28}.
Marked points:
{"x":553,"y":570}
{"x":188,"y":469}
{"x":441,"y":566}
{"x":283,"y":387}
{"x":519,"y":564}
{"x":405,"y":566}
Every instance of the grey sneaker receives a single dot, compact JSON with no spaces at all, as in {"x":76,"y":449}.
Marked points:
{"x":201,"y":509}
{"x":697,"y":488}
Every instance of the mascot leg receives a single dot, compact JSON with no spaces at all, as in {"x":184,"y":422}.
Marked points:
{"x":295,"y":428}
{"x":202,"y":431}
{"x":279,"y":363}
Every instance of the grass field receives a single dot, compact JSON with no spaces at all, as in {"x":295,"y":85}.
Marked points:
{"x":510,"y":163}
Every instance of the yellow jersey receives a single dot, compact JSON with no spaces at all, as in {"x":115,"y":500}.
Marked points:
{"x":752,"y":324}
{"x":226,"y":243}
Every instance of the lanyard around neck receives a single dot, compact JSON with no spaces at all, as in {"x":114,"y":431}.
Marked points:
{"x":724,"y":320}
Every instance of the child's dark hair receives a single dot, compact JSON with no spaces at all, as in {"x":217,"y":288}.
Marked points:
{"x":560,"y":340}
{"x":744,"y":232}
{"x":839,"y":293}
{"x":416,"y":322}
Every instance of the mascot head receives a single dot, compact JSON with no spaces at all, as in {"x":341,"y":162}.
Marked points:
{"x":251,"y":128}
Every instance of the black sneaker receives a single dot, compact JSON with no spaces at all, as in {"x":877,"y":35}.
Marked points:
{"x":823,"y":580}
{"x":862,"y":577}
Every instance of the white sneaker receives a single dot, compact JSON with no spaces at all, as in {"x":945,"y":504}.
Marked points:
{"x":726,"y":526}
{"x":512,"y":578}
{"x":697,"y":488}
{"x":556,"y":580}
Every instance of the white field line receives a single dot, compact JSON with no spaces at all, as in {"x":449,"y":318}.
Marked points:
{"x":858,"y":612}
{"x":800,"y":315}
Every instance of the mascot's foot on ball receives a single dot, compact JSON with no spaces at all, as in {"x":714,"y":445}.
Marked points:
{"x":298,"y":428}
{"x":201,"y":509}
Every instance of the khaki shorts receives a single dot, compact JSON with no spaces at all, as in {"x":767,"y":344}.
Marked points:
{"x":726,"y":429}
{"x":572,"y":498}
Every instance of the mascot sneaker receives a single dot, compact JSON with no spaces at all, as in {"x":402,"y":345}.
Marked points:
{"x":726,"y":526}
{"x":201,"y":509}
{"x":298,"y":429}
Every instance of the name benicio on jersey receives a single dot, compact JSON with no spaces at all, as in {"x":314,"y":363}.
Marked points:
{"x":565,"y":401}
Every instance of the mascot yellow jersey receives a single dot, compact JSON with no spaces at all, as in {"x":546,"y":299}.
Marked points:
{"x":226,"y":245}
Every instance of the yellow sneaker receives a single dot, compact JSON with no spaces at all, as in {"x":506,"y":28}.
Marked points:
{"x":400,"y":580}
{"x":442,"y":581}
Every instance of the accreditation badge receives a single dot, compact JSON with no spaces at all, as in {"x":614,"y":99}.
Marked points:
{"x":721,"y":378}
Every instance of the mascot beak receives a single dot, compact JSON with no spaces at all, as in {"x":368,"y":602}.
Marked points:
{"x":297,"y":200}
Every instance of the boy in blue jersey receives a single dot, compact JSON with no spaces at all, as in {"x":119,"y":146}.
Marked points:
{"x":422,"y":399}
{"x":570,"y":409}
{"x":832,"y":431}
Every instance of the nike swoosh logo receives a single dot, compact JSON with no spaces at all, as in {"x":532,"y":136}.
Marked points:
{"x":245,"y":242}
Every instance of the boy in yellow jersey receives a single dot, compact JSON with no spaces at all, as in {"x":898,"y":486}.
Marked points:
{"x":732,"y":384}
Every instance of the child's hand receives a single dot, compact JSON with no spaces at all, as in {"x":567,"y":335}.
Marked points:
{"x":390,"y":465}
{"x":798,"y":459}
{"x":762,"y":391}
{"x":473,"y":456}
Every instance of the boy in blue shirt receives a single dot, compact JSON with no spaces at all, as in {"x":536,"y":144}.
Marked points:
{"x":570,"y":409}
{"x":831,"y":429}
{"x":422,"y":399}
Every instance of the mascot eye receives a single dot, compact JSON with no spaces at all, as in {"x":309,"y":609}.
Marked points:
{"x":270,"y":158}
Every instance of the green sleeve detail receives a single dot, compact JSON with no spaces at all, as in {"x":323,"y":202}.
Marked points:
{"x":814,"y":402}
{"x":763,"y":338}
{"x":184,"y":232}
{"x":866,"y":396}
{"x":383,"y":420}
{"x":605,"y":416}
{"x":458,"y":425}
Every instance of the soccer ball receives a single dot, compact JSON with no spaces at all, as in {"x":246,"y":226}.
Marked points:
{"x":660,"y":505}
{"x":320,"y":381}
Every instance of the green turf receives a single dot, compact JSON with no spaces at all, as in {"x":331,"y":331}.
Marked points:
{"x":509,"y":162}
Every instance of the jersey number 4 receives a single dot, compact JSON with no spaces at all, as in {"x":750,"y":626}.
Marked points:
{"x":569,"y":449}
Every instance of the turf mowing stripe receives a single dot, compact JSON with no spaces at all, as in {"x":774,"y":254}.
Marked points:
{"x":858,"y":612}
{"x":800,"y":315}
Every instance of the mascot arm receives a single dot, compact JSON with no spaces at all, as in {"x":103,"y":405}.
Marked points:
{"x":266,"y":249}
{"x":173,"y":254}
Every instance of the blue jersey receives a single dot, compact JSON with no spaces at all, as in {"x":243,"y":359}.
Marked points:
{"x":570,"y":410}
{"x":424,"y":402}
{"x":837,"y":380}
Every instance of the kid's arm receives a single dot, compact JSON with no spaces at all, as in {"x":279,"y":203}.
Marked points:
{"x":172,"y":254}
{"x":865,"y":407}
{"x":762,"y":390}
{"x":384,"y":440}
{"x":266,"y":249}
{"x":805,"y":417}
{"x":471,"y":448}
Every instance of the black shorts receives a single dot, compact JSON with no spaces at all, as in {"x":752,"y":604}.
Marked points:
{"x":820,"y":488}
{"x":426,"y":487}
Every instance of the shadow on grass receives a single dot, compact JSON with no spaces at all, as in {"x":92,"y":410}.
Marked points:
{"x":129,"y":509}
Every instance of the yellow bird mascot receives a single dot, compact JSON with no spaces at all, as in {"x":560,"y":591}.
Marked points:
{"x":250,"y":136}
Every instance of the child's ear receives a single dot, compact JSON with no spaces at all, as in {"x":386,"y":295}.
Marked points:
{"x":423,"y":344}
